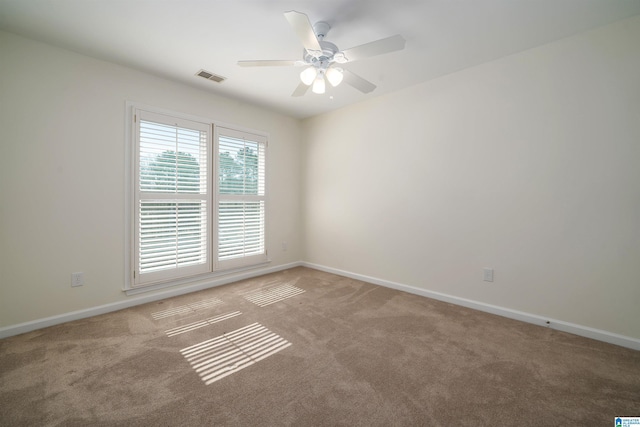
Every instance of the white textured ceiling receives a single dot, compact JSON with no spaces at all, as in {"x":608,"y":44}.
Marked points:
{"x":176,"y":38}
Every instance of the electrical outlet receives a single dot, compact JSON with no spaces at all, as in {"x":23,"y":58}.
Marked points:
{"x":487,"y":274}
{"x":284,"y":246}
{"x":77,"y":279}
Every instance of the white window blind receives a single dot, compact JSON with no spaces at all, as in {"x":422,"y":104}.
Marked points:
{"x":173,"y":198}
{"x":197,"y":206}
{"x":240,"y":197}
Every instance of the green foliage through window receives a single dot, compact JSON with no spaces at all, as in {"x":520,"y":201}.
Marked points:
{"x":238,"y":171}
{"x":171,"y":172}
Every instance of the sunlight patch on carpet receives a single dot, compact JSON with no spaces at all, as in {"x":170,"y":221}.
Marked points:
{"x":266,"y":296}
{"x":231,"y":352}
{"x":196,"y":325}
{"x":187,"y":308}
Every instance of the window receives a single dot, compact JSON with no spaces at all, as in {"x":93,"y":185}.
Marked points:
{"x":240,"y":196}
{"x":185,"y":222}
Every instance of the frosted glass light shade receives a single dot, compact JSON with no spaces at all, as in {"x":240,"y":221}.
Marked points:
{"x":334,"y":75}
{"x":318,"y":85}
{"x":308,"y":75}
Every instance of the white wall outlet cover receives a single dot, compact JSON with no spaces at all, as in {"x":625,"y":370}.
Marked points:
{"x":77,"y":279}
{"x":487,"y":274}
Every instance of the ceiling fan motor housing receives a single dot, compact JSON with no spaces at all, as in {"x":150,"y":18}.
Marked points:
{"x":322,"y":59}
{"x":326,"y":56}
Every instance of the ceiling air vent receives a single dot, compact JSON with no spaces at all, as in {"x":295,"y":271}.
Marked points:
{"x":210,"y":76}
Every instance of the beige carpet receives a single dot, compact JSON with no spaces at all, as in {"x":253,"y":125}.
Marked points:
{"x":307,"y":348}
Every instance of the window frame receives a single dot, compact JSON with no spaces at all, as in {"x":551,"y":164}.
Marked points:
{"x":143,"y":279}
{"x":215,"y":268}
{"x":253,"y":137}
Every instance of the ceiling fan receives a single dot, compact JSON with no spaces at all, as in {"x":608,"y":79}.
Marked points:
{"x":322,"y":58}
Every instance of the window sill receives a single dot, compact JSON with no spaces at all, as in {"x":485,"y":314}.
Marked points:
{"x":200,"y":279}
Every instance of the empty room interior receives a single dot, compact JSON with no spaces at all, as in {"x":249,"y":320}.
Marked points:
{"x":338,"y":212}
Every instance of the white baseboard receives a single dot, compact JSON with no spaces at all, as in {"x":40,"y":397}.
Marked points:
{"x":33,"y":325}
{"x":559,"y":325}
{"x":584,"y":331}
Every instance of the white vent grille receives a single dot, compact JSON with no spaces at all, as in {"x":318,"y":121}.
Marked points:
{"x":210,"y":76}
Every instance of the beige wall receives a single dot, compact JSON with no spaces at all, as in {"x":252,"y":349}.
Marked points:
{"x":62,"y":136}
{"x":529,"y":164}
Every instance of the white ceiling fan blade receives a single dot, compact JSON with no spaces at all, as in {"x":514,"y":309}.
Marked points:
{"x":304,"y":30}
{"x":358,"y":82}
{"x":378,"y":47}
{"x":300,"y":90}
{"x":270,"y":63}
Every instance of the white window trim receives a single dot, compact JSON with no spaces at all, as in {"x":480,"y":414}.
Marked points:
{"x":130,"y":168}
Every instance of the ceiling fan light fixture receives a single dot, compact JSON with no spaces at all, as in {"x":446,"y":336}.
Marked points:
{"x":308,"y":75}
{"x":318,"y":85}
{"x":319,"y":56}
{"x":335,"y":76}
